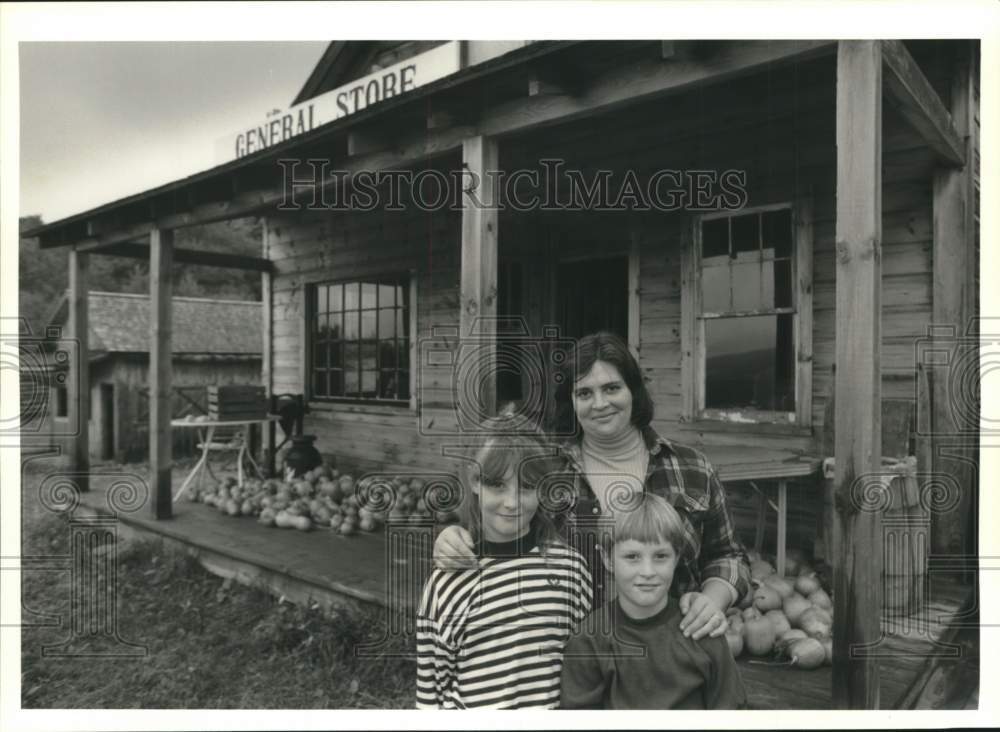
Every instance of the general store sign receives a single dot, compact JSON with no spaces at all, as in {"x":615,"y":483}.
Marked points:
{"x":343,"y":101}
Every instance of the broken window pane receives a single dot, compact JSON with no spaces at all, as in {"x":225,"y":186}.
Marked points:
{"x":715,"y":238}
{"x":783,"y":283}
{"x":749,"y":363}
{"x":777,"y":232}
{"x":746,"y":236}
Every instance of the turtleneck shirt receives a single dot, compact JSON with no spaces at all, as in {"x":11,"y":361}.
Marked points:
{"x":615,"y":464}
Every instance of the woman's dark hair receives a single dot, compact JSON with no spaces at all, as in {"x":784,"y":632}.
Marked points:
{"x":610,"y":348}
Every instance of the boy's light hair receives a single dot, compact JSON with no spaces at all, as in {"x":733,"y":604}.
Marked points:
{"x":647,"y":518}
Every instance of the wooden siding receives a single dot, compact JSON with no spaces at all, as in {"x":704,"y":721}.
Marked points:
{"x":311,"y":247}
{"x":778,"y":126}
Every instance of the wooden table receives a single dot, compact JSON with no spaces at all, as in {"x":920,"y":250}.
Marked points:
{"x":206,"y":432}
{"x":735,"y":463}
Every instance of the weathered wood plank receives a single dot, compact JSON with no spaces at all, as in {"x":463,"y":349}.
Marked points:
{"x":689,"y":324}
{"x":804,"y":307}
{"x":953,"y":276}
{"x":908,"y":90}
{"x":857,"y":542}
{"x":78,"y":386}
{"x":634,"y":295}
{"x":267,"y":314}
{"x":643,"y":81}
{"x":160,"y":377}
{"x":192,"y":256}
{"x":478,"y":307}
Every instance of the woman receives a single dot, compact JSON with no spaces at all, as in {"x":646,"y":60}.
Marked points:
{"x":604,"y":403}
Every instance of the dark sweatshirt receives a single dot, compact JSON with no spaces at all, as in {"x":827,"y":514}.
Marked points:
{"x":613,"y":661}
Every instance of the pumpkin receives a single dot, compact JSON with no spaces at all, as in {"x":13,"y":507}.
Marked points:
{"x":794,"y":606}
{"x":814,"y":624}
{"x":766,"y":598}
{"x":807,"y":653}
{"x":758,"y":636}
{"x":780,"y":584}
{"x":806,"y":584}
{"x":787,"y":638}
{"x":735,"y":641}
{"x":821,"y":599}
{"x":779,"y":621}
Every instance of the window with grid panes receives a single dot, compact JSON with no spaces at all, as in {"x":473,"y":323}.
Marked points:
{"x":746,"y":313}
{"x":359,"y":339}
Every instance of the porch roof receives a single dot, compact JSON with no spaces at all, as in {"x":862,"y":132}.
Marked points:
{"x":216,"y":183}
{"x":590,"y":84}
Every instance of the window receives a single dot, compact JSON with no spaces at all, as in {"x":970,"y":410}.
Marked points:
{"x":360,"y":339}
{"x":747,"y":312}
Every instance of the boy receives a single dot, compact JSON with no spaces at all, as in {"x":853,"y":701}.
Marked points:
{"x":630,"y":653}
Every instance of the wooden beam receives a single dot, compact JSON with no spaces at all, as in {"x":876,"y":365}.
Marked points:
{"x":952,"y":256}
{"x":192,"y":256}
{"x":364,"y":142}
{"x":804,"y":306}
{"x":267,"y":323}
{"x":478,"y":281}
{"x":645,"y":80}
{"x":857,"y":558}
{"x":634,"y":295}
{"x":539,"y":86}
{"x":616,"y":89}
{"x":78,"y":388}
{"x":909,"y":92}
{"x":160,"y":444}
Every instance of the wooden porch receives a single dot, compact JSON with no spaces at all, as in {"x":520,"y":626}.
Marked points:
{"x":320,"y":566}
{"x":867,"y":73}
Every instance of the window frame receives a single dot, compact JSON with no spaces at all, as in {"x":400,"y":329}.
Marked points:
{"x":693,"y":344}
{"x":406,"y":280}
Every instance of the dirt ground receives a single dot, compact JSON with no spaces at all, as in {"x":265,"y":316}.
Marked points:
{"x":176,"y":636}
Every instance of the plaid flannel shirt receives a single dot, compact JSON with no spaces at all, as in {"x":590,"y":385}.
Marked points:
{"x":685,"y":478}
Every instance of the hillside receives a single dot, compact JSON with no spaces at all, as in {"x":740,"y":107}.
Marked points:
{"x":43,"y":277}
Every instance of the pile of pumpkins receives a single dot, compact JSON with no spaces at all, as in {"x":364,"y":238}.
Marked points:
{"x":789,"y":617}
{"x":323,"y":497}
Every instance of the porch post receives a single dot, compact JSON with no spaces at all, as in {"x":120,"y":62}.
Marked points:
{"x":480,"y":156}
{"x":78,"y":386}
{"x":160,"y":260}
{"x":857,"y":559}
{"x":954,"y":239}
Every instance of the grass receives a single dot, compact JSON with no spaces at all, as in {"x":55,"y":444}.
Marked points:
{"x":210,"y":643}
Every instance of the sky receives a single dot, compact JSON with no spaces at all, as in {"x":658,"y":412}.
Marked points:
{"x":102,"y":120}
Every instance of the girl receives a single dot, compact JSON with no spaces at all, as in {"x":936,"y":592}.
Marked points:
{"x":493,"y":635}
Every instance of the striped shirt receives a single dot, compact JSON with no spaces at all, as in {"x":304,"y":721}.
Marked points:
{"x":494,"y":636}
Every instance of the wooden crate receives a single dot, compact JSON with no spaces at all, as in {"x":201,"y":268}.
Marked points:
{"x":234,"y":402}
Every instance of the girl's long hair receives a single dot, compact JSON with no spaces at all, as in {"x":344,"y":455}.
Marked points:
{"x":511,"y":442}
